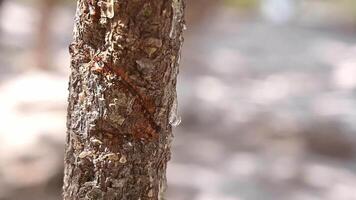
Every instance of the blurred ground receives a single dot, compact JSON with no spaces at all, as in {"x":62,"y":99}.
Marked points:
{"x":268,"y":103}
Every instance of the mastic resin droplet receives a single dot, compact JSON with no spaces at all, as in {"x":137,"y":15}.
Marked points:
{"x":174,"y":118}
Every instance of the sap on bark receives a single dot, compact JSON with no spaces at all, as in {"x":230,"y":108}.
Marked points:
{"x":119,"y":107}
{"x":174,"y":118}
{"x":107,"y":8}
{"x":145,"y":65}
{"x":177,"y":16}
{"x":152,"y":45}
{"x":84,"y":154}
{"x":123,"y":159}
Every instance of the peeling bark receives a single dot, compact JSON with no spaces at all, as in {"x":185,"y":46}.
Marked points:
{"x":122,"y":98}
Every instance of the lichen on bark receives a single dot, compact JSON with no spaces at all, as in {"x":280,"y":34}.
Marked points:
{"x":122,"y":89}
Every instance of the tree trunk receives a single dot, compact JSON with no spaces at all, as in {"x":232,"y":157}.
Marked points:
{"x":122,"y":98}
{"x":43,"y":50}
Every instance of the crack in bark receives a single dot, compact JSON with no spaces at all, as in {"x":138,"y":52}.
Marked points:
{"x":147,"y":111}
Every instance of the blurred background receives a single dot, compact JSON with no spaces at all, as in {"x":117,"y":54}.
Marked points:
{"x":267,"y":95}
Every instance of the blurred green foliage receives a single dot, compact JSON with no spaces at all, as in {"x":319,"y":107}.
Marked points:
{"x":242,"y":4}
{"x":350,"y":4}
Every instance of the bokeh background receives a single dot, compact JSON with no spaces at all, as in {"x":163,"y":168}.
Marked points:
{"x":267,"y":95}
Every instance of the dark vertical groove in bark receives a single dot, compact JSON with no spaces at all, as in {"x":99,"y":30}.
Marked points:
{"x":122,"y":95}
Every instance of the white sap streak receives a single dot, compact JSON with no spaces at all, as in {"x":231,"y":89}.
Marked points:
{"x":110,"y":13}
{"x":174,"y":118}
{"x":77,"y":21}
{"x":177,"y":15}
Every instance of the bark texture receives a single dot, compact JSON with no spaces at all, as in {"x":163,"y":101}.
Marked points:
{"x":122,"y":101}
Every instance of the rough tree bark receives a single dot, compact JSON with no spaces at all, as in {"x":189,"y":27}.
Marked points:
{"x":122,"y":98}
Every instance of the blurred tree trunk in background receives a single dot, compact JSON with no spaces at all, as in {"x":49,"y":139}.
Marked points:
{"x":42,"y":51}
{"x":198,"y":10}
{"x":122,"y":101}
{"x":1,"y":3}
